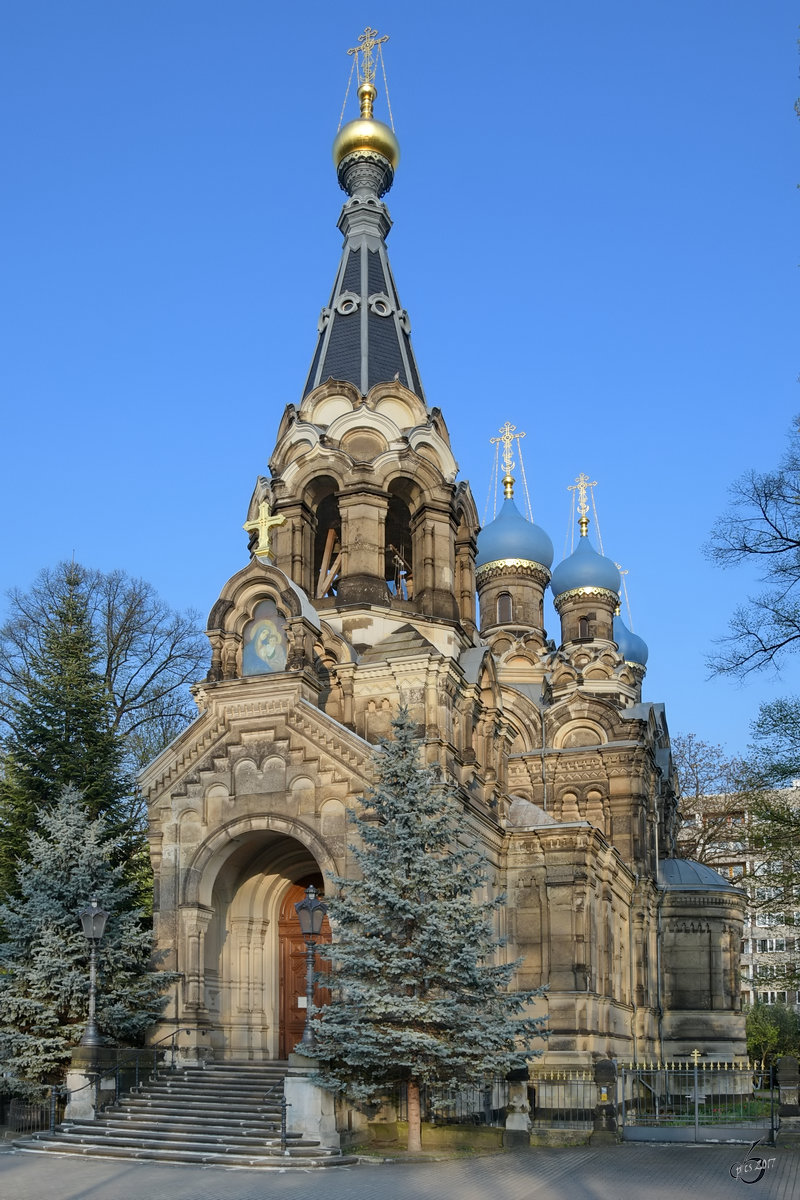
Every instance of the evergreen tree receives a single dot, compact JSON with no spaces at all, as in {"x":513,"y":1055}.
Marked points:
{"x":44,"y":958}
{"x":418,"y":992}
{"x":62,"y":734}
{"x":772,"y":1030}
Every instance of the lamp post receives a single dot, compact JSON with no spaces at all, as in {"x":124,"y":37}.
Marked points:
{"x":93,"y":921}
{"x":310,"y":913}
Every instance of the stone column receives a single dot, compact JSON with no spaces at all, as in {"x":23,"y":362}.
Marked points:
{"x":361,"y":578}
{"x":518,"y":1112}
{"x":311,"y":1108}
{"x":605,"y":1113}
{"x":90,"y":1081}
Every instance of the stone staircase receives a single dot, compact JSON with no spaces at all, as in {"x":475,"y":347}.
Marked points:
{"x":227,"y":1114}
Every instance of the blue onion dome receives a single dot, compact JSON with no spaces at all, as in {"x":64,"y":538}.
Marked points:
{"x":511,"y":536}
{"x":632,"y":648}
{"x":585,"y":568}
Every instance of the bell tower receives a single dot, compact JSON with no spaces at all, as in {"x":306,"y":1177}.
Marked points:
{"x":362,"y":485}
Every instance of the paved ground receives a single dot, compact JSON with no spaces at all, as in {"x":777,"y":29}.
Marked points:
{"x":627,"y":1172}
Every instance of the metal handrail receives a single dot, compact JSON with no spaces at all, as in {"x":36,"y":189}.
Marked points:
{"x":95,"y":1077}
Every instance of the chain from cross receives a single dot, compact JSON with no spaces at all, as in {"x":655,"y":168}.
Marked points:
{"x":262,"y":524}
{"x":508,"y":435}
{"x":581,"y":486}
{"x":370,"y":40}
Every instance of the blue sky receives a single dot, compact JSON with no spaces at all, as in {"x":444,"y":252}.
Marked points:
{"x":595,"y":238}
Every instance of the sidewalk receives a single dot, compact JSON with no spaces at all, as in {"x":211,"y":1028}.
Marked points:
{"x":627,"y":1172}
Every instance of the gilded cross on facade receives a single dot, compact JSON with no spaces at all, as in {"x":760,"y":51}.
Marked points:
{"x":369,"y":40}
{"x":581,"y":486}
{"x":262,"y":524}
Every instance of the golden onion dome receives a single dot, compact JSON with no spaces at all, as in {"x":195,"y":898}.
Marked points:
{"x":366,"y":134}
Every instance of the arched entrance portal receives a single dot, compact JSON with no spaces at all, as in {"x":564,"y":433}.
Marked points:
{"x":254,"y":961}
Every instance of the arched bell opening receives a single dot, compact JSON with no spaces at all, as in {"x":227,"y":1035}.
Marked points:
{"x":327,"y":540}
{"x":399,"y":548}
{"x":253,"y":961}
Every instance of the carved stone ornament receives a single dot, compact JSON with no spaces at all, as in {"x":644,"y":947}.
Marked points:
{"x":380,"y":304}
{"x":347,"y":303}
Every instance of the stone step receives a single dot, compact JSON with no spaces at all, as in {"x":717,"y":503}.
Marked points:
{"x":93,"y":1131}
{"x":220,"y":1114}
{"x":190,"y":1124}
{"x":241,"y":1075}
{"x":206,"y":1104}
{"x":218,"y":1095}
{"x":188,"y":1120}
{"x":282,"y":1162}
{"x":200,"y":1142}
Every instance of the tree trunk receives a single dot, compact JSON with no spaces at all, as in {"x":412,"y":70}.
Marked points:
{"x":414,"y":1118}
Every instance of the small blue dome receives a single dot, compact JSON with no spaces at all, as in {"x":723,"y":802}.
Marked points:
{"x":585,"y":568}
{"x":509,"y":535}
{"x":631,"y":646}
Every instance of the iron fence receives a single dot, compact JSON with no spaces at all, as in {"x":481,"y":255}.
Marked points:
{"x":26,"y":1116}
{"x":712,"y":1099}
{"x":562,"y":1099}
{"x":482,"y":1103}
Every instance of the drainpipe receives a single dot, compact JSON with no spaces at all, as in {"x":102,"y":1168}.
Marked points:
{"x":659,"y":1008}
{"x":632,"y":974}
{"x":540,"y":707}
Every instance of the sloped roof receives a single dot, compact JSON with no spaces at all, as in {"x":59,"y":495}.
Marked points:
{"x":364,"y":334}
{"x":686,"y":875}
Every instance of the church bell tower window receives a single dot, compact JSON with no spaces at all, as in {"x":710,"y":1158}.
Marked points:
{"x":399,"y":555}
{"x":327,"y":547}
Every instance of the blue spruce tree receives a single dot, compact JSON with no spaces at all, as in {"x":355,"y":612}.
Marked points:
{"x":44,"y":957}
{"x":420,"y":991}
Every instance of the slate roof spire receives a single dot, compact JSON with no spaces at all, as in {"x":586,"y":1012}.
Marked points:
{"x":364,"y":332}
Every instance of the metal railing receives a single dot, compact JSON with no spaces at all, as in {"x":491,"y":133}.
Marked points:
{"x":562,"y":1099}
{"x":681,"y":1094}
{"x":27,"y":1116}
{"x":130,"y":1072}
{"x":482,"y":1103}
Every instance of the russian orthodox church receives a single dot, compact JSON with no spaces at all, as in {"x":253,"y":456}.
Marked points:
{"x":371,"y":585}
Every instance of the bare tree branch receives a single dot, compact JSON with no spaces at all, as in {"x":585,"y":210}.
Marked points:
{"x":762,"y":525}
{"x":150,"y":653}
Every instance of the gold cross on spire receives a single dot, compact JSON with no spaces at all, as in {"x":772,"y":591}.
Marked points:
{"x":262,"y":524}
{"x":369,"y":39}
{"x":508,"y":433}
{"x":581,"y":486}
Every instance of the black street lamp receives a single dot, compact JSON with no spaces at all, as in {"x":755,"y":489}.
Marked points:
{"x":311,"y":913}
{"x":93,"y":921}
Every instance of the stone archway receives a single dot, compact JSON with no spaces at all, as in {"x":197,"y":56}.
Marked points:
{"x":245,"y":993}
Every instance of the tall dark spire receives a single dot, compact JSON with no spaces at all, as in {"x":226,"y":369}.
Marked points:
{"x":364,"y":332}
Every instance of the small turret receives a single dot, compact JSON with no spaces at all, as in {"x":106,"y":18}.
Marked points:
{"x":585,"y":585}
{"x":513,"y":561}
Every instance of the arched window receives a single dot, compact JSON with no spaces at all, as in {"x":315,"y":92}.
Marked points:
{"x":505,"y":609}
{"x":584,"y":628}
{"x":327,"y":545}
{"x":264,"y":649}
{"x":399,"y":549}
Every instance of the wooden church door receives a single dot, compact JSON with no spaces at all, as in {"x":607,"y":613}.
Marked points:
{"x":292,"y":953}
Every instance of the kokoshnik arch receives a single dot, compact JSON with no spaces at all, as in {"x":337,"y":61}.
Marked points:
{"x":370,"y":585}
